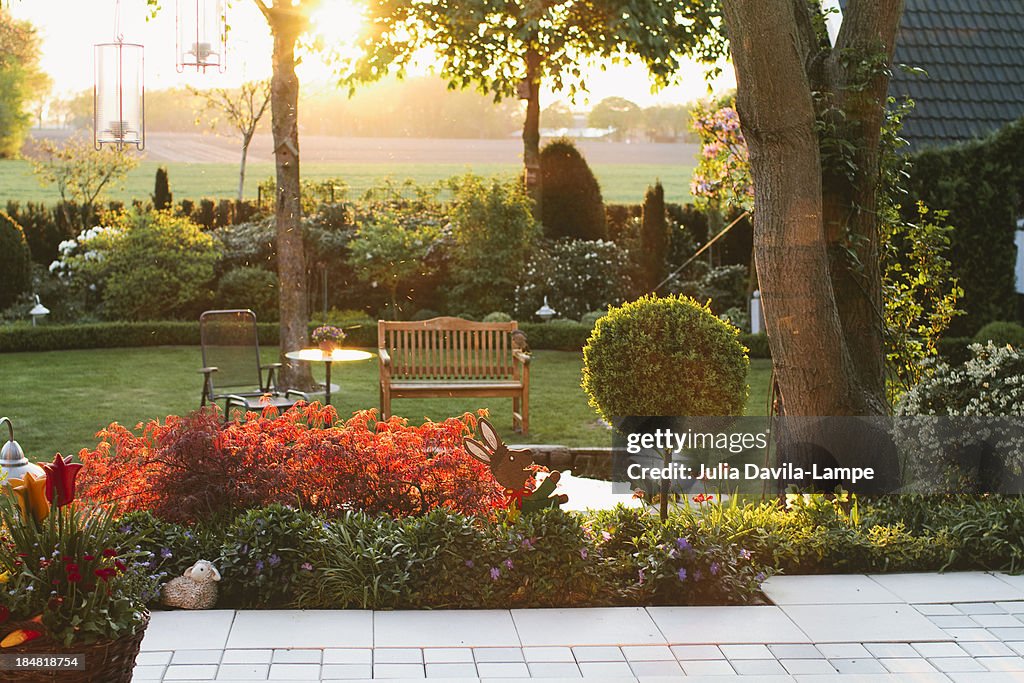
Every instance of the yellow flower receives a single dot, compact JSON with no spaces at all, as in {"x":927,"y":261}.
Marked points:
{"x":30,"y":494}
{"x":5,"y":577}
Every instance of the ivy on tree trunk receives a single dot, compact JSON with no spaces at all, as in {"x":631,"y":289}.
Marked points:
{"x":812,"y":116}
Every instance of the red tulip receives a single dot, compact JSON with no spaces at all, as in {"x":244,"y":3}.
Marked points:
{"x":60,"y":480}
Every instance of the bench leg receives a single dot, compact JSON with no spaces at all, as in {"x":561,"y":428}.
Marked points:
{"x":385,"y":402}
{"x":524,"y":423}
{"x":516,"y":421}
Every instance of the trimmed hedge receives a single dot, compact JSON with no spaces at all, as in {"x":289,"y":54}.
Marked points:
{"x":566,"y":336}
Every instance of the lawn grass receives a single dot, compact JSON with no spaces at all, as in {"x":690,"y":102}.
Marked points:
{"x":59,"y":399}
{"x":620,"y":183}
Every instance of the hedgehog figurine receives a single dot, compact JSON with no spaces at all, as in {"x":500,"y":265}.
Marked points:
{"x":196,"y":588}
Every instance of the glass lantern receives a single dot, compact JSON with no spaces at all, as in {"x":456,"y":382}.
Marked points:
{"x":118,"y":93}
{"x":202,"y":35}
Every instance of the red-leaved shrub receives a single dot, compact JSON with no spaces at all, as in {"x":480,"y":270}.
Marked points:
{"x":194,"y":467}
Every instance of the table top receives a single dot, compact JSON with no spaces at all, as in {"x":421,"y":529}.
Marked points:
{"x":338,"y":355}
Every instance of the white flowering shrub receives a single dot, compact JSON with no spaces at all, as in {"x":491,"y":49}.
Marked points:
{"x":577,"y":276}
{"x":953,"y":412}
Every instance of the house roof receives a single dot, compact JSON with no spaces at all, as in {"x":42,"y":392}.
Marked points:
{"x":973,"y":53}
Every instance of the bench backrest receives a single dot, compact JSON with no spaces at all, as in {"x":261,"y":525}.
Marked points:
{"x":448,"y":348}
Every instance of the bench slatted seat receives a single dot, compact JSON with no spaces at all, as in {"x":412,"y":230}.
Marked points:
{"x":448,"y":357}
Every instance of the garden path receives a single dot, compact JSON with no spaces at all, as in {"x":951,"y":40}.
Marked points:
{"x":958,"y":627}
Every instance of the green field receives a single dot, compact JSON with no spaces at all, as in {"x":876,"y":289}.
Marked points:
{"x":620,"y":183}
{"x":59,"y":399}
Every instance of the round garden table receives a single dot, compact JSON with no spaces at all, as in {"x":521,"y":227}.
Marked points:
{"x":328,"y":359}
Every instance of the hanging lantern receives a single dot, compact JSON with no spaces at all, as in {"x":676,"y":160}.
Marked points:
{"x":118,"y":92}
{"x":118,"y":109}
{"x":202,"y":35}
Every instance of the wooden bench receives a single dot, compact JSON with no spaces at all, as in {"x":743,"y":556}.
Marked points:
{"x":448,"y":357}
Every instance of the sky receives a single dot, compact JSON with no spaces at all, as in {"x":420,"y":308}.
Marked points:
{"x":70,"y":28}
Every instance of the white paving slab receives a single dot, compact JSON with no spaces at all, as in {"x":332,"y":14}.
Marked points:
{"x":445,"y":628}
{"x":863,"y":623}
{"x":955,"y":587}
{"x":592,"y":626}
{"x":731,"y":624}
{"x":302,"y":629}
{"x":183,"y":630}
{"x":826,"y":590}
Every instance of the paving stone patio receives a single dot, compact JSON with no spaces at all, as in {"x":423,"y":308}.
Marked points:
{"x":959,"y":627}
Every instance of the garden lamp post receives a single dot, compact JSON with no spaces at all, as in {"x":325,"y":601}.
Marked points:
{"x":202,"y":35}
{"x":118,"y":92}
{"x":545,"y":312}
{"x":12,"y":459}
{"x":38,"y":311}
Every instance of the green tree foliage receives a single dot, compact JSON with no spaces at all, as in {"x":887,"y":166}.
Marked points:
{"x":664,"y":356}
{"x":621,"y":115}
{"x":654,"y":237}
{"x":81,"y":172}
{"x":509,"y":49}
{"x":162,"y":196}
{"x":15,"y":261}
{"x":493,"y":232}
{"x":558,"y":115}
{"x":150,"y":266}
{"x":387,"y":253}
{"x":21,"y":80}
{"x":571,"y":204}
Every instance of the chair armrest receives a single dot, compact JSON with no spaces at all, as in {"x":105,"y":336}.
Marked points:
{"x":293,"y":392}
{"x":207,"y":384}
{"x":208,"y":371}
{"x":521,"y":356}
{"x":271,"y":383}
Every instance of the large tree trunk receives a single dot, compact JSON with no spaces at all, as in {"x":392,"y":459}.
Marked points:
{"x":531,"y":130}
{"x":287,"y":23}
{"x":816,"y":371}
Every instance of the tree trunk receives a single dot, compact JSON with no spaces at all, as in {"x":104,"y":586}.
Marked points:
{"x":815,"y":370}
{"x":531,"y":130}
{"x":241,"y":169}
{"x":287,"y":24}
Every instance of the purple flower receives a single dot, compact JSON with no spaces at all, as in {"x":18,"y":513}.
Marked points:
{"x":745,"y":554}
{"x":259,"y":566}
{"x":698,"y":575}
{"x":306,"y":567}
{"x":640,"y":576}
{"x":165,"y":553}
{"x":583,"y":553}
{"x":528,"y":543}
{"x":715,"y":568}
{"x":495,"y":573}
{"x":508,"y":564}
{"x":760,"y":577}
{"x":683,"y":544}
{"x":273,"y":560}
{"x":606,"y":536}
{"x":469,"y":563}
{"x":682,"y":574}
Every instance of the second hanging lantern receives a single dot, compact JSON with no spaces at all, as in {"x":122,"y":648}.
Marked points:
{"x":202,"y":35}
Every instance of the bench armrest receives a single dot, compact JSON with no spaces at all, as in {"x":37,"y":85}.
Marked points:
{"x":385,"y":357}
{"x":521,"y":356}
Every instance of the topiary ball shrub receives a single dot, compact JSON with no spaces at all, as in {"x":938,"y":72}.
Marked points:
{"x":497,"y":317}
{"x":15,"y":261}
{"x":570,"y":204}
{"x":1001,"y":334}
{"x":665,"y":356}
{"x":250,"y":287}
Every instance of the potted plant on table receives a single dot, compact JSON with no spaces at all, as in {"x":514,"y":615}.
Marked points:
{"x":328,"y":338}
{"x":67,"y":590}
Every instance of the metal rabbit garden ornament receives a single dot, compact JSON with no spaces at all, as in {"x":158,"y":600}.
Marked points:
{"x":512,"y":469}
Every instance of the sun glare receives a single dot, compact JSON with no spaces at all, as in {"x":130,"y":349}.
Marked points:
{"x":337,"y":23}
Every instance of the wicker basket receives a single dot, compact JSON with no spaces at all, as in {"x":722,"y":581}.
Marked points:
{"x":105,"y":662}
